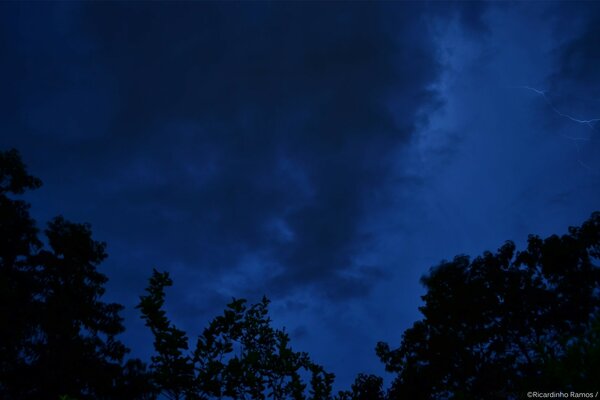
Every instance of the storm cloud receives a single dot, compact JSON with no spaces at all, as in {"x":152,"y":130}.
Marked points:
{"x":324,"y":154}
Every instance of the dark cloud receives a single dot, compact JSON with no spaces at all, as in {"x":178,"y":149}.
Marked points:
{"x":323,"y":154}
{"x":240,"y":129}
{"x":576,"y":74}
{"x":574,"y":85}
{"x":470,"y":15}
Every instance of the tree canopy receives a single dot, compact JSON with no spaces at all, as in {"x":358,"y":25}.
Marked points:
{"x":238,"y":356}
{"x":57,"y":337}
{"x":494,"y":326}
{"x":505,"y":322}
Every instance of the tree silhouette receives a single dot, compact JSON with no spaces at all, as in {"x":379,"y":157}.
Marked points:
{"x":237,"y":356}
{"x":365,"y":387}
{"x":495,"y":326}
{"x":18,"y":286}
{"x":579,"y":368}
{"x":172,"y":370}
{"x":57,"y":338}
{"x":504,"y":323}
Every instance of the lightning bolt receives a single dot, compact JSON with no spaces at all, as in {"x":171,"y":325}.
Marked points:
{"x":590,"y":123}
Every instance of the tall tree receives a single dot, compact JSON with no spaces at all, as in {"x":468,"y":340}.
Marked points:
{"x":496,"y":325}
{"x":239,"y":355}
{"x":57,"y":337}
{"x":76,"y":351}
{"x":365,"y":387}
{"x":18,"y":286}
{"x":172,"y":369}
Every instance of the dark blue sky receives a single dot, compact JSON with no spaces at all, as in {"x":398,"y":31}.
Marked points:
{"x":323,"y":154}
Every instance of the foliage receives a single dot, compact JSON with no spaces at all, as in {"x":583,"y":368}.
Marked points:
{"x":57,"y":338}
{"x":18,"y":241}
{"x":238,"y":356}
{"x":365,"y":387}
{"x":172,"y":370}
{"x":495,"y":326}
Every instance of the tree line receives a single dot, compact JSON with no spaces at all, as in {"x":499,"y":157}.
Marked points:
{"x":494,"y":326}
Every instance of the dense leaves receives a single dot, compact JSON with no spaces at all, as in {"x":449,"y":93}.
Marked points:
{"x":57,"y":337}
{"x":172,"y":370}
{"x":18,"y":241}
{"x":365,"y":387}
{"x":238,"y":356}
{"x":496,"y":326}
{"x":505,"y":323}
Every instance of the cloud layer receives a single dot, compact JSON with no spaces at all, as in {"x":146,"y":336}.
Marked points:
{"x":324,"y":155}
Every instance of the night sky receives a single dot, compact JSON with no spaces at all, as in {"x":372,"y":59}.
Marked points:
{"x":325,"y":155}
